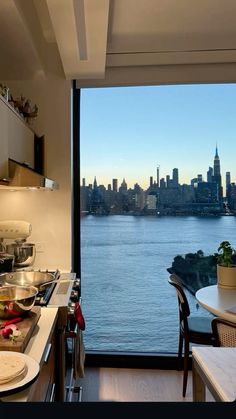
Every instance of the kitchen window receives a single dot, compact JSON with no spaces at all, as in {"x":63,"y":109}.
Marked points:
{"x":129,"y":234}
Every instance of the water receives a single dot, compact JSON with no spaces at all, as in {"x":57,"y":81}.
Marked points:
{"x":128,"y":304}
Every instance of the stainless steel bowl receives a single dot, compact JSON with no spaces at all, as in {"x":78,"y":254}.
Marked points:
{"x":24,"y":278}
{"x":16,"y":300}
{"x":24,"y":253}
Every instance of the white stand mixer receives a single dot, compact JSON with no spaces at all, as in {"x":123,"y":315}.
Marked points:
{"x":24,"y":253}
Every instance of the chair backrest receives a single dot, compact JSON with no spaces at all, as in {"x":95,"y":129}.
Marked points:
{"x":184,"y":310}
{"x":224,"y":332}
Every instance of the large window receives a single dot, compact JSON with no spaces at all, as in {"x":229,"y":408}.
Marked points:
{"x":157,"y":181}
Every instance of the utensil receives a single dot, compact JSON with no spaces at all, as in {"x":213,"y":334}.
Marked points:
{"x":16,"y":300}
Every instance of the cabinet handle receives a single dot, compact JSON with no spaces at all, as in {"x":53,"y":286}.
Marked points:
{"x":52,"y":393}
{"x":49,"y":347}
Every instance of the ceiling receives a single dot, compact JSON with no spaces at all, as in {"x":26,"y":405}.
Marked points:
{"x":114,"y":42}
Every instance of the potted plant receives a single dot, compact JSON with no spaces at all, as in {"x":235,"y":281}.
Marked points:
{"x":226,"y":266}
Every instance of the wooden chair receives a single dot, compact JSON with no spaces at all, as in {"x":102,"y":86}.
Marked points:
{"x":192,"y":329}
{"x":224,"y":332}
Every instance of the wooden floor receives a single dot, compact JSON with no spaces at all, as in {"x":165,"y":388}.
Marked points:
{"x":135,"y":385}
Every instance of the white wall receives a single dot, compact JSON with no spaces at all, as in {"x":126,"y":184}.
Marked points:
{"x":48,"y":211}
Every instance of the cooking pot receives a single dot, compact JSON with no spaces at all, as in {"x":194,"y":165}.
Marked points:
{"x":24,"y":253}
{"x":34,"y":278}
{"x":6,"y":262}
{"x":16,"y":300}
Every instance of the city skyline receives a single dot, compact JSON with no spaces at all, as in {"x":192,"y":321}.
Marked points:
{"x":127,"y":132}
{"x":175,"y":174}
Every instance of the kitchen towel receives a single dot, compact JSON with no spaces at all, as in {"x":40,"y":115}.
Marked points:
{"x":79,"y":356}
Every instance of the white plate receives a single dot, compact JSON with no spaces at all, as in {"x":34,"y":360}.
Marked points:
{"x":20,"y":383}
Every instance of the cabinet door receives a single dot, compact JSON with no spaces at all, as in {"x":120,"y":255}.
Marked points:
{"x":20,"y":140}
{"x":46,"y":381}
{"x":3,"y":140}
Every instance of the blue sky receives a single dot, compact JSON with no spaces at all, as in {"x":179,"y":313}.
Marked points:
{"x":126,"y":132}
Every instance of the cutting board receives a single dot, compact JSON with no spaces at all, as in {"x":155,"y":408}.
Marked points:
{"x":26,"y":326}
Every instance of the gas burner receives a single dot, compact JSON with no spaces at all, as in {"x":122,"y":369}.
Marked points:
{"x":44,"y":294}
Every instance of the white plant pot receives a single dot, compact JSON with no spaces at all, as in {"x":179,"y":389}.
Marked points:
{"x":226,"y":277}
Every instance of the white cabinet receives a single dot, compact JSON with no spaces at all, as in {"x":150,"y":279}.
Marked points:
{"x":3,"y":139}
{"x":16,"y":140}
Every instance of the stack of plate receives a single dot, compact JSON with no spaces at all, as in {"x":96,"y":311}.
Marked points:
{"x":13,"y":368}
{"x":17,"y":371}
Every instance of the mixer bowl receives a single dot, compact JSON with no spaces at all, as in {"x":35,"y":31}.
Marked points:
{"x":24,"y":253}
{"x":16,"y":300}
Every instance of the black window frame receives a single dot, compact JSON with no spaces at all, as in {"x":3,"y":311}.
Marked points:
{"x":101,"y":358}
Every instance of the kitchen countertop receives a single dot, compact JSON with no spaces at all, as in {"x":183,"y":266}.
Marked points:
{"x":36,"y":349}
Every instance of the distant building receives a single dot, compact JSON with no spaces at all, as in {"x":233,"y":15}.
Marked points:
{"x":209,"y":174}
{"x":162,"y":183}
{"x":151,"y":202}
{"x":227,"y":183}
{"x":115,"y":185}
{"x":217,"y":175}
{"x":158,"y":176}
{"x":167,"y":181}
{"x":175,"y":181}
{"x":123,"y":186}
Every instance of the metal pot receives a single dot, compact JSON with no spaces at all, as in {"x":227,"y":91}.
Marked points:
{"x":16,"y":300}
{"x":6,"y":262}
{"x":24,"y":253}
{"x":34,"y":278}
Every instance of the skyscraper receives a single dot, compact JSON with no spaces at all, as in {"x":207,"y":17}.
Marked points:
{"x":227,"y":184}
{"x":158,"y":176}
{"x":227,"y":180}
{"x":210,"y":174}
{"x":199,"y":178}
{"x":216,"y":164}
{"x":175,"y":177}
{"x":217,"y":175}
{"x":115,"y":185}
{"x":95,"y":185}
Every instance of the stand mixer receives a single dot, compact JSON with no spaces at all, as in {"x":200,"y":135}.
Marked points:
{"x":24,"y":253}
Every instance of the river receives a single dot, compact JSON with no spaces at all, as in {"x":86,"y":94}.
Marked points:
{"x":127,"y":301}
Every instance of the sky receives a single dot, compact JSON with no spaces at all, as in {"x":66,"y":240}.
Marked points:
{"x":127,"y":131}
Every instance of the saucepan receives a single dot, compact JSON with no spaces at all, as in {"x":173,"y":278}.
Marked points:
{"x":27,"y":278}
{"x":16,"y":300}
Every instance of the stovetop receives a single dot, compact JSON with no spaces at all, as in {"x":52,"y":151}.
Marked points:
{"x":44,"y":294}
{"x":58,"y":293}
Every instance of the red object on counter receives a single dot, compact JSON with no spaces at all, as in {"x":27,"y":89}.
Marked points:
{"x":79,"y":316}
{"x":12,"y":321}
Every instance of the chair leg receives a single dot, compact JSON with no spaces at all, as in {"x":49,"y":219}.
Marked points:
{"x":180,"y":351}
{"x":186,"y":357}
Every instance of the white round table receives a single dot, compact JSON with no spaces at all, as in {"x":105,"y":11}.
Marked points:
{"x":216,"y":300}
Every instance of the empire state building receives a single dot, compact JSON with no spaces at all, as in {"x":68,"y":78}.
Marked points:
{"x":217,"y":175}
